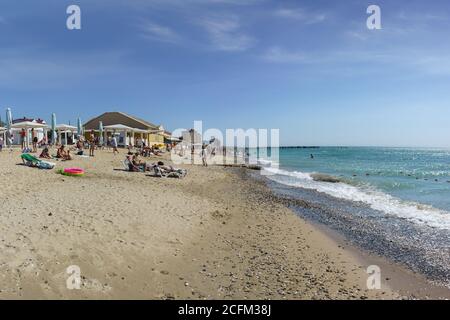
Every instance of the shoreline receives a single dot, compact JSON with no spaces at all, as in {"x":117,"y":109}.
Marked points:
{"x":396,"y":276}
{"x":398,"y":241}
{"x":216,"y":234}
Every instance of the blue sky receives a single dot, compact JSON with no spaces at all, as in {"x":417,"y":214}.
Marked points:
{"x":310,"y":68}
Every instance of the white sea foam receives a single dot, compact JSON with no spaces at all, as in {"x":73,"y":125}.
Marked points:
{"x":377,"y":200}
{"x":267,"y":163}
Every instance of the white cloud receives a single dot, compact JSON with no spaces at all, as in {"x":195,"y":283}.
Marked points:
{"x":301,"y":15}
{"x":279,"y":55}
{"x":158,"y":32}
{"x":226,"y":35}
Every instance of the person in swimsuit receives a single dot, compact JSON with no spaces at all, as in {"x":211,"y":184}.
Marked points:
{"x":45,"y":154}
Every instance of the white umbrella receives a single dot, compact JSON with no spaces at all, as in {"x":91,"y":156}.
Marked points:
{"x":27,"y":125}
{"x":9,"y":124}
{"x":53,"y":128}
{"x":79,"y":127}
{"x":101,"y":132}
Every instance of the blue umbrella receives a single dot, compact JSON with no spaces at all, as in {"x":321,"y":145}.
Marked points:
{"x":53,"y":128}
{"x":101,"y":132}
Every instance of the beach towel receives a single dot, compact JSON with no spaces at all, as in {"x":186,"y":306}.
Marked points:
{"x":45,"y":165}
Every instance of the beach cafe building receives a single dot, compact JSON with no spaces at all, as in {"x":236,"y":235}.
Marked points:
{"x":130,"y":130}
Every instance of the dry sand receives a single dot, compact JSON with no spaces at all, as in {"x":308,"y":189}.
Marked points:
{"x":215,"y":234}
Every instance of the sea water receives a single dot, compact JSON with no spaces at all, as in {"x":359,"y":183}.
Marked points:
{"x":410,"y":183}
{"x":391,"y":201}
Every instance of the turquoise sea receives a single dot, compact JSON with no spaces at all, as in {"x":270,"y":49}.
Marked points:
{"x":394,"y":202}
{"x":412,"y":183}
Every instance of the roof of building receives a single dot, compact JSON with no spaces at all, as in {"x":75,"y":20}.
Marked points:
{"x":64,"y":126}
{"x":112,"y":118}
{"x":25,"y":119}
{"x":28,"y":125}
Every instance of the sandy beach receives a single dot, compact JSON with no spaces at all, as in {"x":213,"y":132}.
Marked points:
{"x":216,"y":234}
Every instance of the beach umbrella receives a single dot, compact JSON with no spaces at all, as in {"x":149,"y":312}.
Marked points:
{"x":8,"y":118}
{"x":79,"y":128}
{"x":100,"y":129}
{"x":53,"y":128}
{"x":9,"y":122}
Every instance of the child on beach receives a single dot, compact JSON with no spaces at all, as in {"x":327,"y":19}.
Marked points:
{"x":45,"y":154}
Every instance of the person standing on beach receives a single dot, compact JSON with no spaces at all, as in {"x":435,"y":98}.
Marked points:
{"x":204,"y":155}
{"x":91,"y":143}
{"x":22,"y":137}
{"x":114,"y":144}
{"x":1,"y":143}
{"x":35,"y":140}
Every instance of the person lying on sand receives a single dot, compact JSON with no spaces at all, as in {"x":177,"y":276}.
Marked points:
{"x":162,"y":170}
{"x":45,"y":154}
{"x":63,"y":154}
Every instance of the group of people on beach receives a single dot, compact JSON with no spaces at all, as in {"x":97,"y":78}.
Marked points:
{"x":61,"y":153}
{"x":134,"y":163}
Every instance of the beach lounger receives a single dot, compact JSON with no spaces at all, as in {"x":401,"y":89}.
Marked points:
{"x":175,"y":173}
{"x":32,"y":161}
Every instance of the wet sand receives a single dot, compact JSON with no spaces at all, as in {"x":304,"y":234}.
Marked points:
{"x":216,"y":234}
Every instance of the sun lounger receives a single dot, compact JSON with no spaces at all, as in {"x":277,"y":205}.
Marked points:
{"x":173,"y":173}
{"x":32,"y":161}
